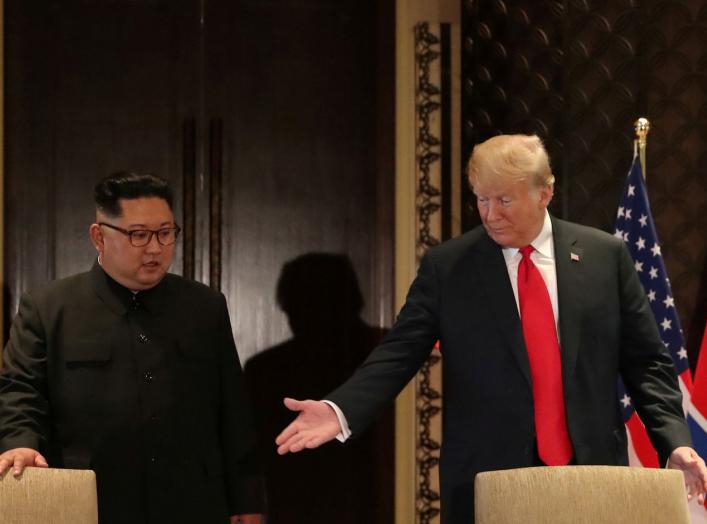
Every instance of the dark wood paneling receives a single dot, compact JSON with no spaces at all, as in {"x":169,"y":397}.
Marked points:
{"x":99,"y":87}
{"x":300,"y":131}
{"x":92,"y":88}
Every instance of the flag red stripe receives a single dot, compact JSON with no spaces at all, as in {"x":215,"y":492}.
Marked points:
{"x":699,"y":395}
{"x":686,"y":377}
{"x":641,"y":443}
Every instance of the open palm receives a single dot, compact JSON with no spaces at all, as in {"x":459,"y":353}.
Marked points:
{"x":315,"y":425}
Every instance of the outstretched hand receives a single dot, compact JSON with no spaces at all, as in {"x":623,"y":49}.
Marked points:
{"x":693,"y":467}
{"x":315,"y":425}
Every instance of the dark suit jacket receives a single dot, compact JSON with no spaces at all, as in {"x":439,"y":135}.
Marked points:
{"x":146,"y":390}
{"x":462,"y":296}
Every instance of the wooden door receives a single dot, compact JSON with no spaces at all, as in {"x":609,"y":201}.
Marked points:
{"x":293,"y":99}
{"x":286,"y":90}
{"x":294,"y":85}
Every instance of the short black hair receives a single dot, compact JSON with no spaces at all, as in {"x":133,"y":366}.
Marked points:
{"x":128,"y":185}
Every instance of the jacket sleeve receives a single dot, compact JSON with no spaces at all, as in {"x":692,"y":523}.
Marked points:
{"x":401,"y":354}
{"x":647,"y":367}
{"x":245,"y":485}
{"x":24,"y":409}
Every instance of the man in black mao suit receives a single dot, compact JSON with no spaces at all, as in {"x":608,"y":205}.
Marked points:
{"x":466,"y":294}
{"x":133,"y":372}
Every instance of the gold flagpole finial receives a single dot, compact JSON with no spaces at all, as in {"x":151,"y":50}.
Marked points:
{"x":643,"y":126}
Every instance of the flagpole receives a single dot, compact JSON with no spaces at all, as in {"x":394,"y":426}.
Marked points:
{"x":642,"y":126}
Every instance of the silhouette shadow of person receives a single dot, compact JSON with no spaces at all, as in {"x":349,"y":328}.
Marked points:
{"x":351,"y":483}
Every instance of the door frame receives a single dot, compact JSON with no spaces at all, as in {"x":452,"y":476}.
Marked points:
{"x":407,"y":428}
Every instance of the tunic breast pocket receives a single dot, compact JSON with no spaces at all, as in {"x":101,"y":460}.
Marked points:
{"x":198,"y":369}
{"x":84,"y":384}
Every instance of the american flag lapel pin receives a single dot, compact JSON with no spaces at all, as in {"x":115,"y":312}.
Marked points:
{"x":574,"y":257}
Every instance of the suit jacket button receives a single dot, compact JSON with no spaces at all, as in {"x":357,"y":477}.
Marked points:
{"x":149,"y":376}
{"x":142,"y":338}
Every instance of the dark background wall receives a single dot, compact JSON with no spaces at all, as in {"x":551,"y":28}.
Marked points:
{"x":282,"y":108}
{"x":579,"y":73}
{"x":273,"y":120}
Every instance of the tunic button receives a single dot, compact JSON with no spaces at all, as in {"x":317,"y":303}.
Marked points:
{"x":149,"y":376}
{"x":142,"y":338}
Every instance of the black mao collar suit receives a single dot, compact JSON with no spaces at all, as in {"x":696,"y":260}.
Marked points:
{"x":143,"y":388}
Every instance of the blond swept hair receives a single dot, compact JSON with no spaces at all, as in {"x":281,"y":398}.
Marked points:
{"x":507,"y":159}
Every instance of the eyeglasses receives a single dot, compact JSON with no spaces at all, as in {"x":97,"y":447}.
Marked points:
{"x":141,"y":237}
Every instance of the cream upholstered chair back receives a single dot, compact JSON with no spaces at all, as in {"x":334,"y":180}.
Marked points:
{"x":46,"y":495}
{"x":581,"y":495}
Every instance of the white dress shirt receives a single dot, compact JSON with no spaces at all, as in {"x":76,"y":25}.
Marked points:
{"x":543,"y":257}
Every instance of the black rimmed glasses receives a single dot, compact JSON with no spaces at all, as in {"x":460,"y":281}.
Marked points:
{"x":166,"y":236}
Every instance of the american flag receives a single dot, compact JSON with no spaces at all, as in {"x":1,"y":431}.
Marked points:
{"x":635,"y":226}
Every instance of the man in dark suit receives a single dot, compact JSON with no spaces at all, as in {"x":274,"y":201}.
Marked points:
{"x":537,"y":318}
{"x":133,"y":372}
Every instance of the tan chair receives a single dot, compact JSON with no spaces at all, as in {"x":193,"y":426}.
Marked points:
{"x":581,"y":495}
{"x":46,"y":495}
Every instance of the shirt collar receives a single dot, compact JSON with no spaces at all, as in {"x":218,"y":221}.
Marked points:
{"x":542,"y":243}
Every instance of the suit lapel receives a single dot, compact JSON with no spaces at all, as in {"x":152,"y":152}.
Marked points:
{"x":502,"y":304}
{"x":568,"y":266}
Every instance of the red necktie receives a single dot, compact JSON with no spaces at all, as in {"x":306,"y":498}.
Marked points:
{"x":540,"y":334}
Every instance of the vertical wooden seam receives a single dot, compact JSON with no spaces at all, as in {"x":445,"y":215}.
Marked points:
{"x":215,"y":174}
{"x":189,"y":195}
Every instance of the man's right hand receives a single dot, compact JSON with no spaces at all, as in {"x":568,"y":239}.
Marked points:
{"x":20,"y":458}
{"x":315,"y":425}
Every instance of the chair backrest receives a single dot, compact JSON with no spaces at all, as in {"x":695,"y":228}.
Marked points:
{"x":56,"y":496}
{"x":581,"y":494}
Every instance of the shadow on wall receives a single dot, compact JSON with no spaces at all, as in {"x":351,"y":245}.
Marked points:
{"x":350,"y":483}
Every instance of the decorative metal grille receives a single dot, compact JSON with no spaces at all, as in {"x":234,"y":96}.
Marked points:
{"x":430,"y":173}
